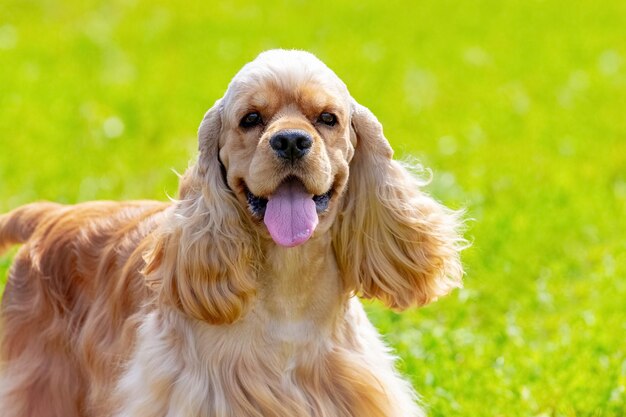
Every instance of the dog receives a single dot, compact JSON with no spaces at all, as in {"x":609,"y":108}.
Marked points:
{"x":241,"y":297}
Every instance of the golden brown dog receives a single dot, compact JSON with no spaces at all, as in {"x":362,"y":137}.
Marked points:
{"x":238,"y":299}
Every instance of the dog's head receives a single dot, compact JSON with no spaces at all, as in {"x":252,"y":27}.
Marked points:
{"x":287,"y":156}
{"x":284,"y":143}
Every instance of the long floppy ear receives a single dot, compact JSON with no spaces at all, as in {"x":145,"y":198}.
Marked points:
{"x":202,"y":256}
{"x":392,"y":241}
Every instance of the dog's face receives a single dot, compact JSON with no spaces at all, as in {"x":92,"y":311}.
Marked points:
{"x":286,"y":144}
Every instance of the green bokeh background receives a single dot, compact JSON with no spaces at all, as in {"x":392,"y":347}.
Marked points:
{"x":518,"y":107}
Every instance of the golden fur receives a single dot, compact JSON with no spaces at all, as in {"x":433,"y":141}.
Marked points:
{"x":150,"y":309}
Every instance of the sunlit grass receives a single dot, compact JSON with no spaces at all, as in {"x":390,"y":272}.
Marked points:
{"x":516,"y":106}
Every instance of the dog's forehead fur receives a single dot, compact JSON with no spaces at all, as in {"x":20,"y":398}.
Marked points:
{"x":287,"y":72}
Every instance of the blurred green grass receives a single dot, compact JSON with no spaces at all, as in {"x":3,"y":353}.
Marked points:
{"x":517,"y":107}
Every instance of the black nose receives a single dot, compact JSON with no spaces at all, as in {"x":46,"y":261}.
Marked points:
{"x":291,"y":144}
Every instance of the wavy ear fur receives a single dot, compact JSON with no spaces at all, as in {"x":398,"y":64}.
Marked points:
{"x":201,"y":259}
{"x":392,"y":241}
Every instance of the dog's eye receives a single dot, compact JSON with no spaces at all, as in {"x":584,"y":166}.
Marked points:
{"x":328,"y":119}
{"x":251,"y":120}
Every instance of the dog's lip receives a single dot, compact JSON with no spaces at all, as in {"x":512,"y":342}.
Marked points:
{"x":258,"y":204}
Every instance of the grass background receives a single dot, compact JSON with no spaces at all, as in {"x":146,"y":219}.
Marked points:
{"x":517,"y":106}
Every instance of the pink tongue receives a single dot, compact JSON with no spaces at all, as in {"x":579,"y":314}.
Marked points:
{"x":290,"y":215}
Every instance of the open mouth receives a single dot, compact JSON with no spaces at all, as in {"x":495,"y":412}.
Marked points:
{"x":291,"y":212}
{"x":257,"y":205}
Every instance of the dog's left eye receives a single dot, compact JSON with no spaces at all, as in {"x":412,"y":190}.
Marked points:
{"x":328,"y":119}
{"x":251,"y":120}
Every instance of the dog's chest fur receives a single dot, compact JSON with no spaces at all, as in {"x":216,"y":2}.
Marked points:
{"x":313,"y":355}
{"x":250,"y":370}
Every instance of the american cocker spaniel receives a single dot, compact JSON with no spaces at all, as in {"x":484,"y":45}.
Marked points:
{"x":239,"y":299}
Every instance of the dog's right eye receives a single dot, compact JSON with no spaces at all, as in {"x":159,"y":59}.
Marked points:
{"x":251,"y":120}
